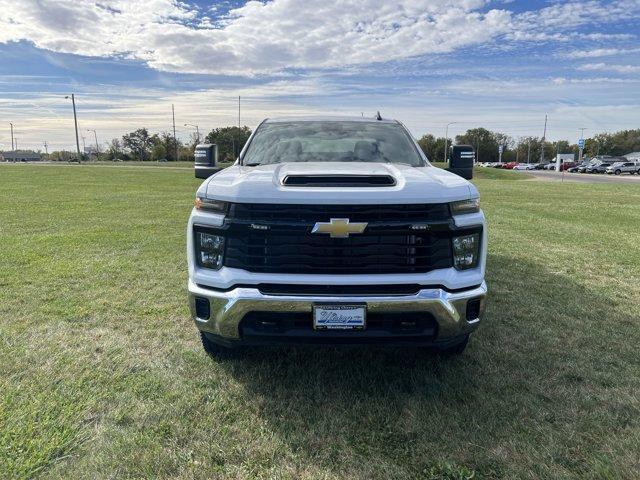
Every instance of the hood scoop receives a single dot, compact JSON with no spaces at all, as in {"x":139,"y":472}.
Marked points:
{"x":339,"y":181}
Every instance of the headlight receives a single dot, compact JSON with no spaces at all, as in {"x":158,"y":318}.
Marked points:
{"x":210,"y":205}
{"x":209,"y":250}
{"x":465,"y":251}
{"x":465,"y":206}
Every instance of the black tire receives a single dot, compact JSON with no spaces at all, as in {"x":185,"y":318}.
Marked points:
{"x":617,"y":172}
{"x":217,"y":351}
{"x":638,"y":172}
{"x":456,"y":349}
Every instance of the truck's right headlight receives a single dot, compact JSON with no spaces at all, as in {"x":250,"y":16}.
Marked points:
{"x":465,"y":251}
{"x":209,"y":250}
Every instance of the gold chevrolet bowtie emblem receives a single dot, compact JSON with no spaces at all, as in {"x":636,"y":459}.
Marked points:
{"x":339,"y":227}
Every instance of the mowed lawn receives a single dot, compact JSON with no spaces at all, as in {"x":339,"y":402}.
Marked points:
{"x":102,"y":374}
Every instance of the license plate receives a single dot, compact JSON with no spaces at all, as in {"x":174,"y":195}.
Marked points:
{"x":339,"y":317}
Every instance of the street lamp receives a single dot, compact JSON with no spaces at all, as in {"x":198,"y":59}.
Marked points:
{"x":75,"y":121}
{"x":11,"y":136}
{"x":446,"y":139}
{"x":197,"y":131}
{"x":95,"y":135}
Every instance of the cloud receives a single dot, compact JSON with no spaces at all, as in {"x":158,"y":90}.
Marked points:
{"x":280,"y":35}
{"x":600,"y":52}
{"x":610,"y":68}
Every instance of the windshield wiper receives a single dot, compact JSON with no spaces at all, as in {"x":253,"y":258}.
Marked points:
{"x":252,"y":164}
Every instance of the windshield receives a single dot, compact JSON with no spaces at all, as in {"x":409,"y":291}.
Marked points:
{"x":331,"y":141}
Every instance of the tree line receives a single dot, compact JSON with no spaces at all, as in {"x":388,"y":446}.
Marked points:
{"x":486,"y":144}
{"x":140,"y":145}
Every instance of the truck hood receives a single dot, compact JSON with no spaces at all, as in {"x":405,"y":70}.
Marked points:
{"x":263,"y":184}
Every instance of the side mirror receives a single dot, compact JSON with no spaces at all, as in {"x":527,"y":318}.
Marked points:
{"x":461,"y":161}
{"x":206,"y":160}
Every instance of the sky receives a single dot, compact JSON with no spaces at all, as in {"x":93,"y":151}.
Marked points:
{"x":501,"y":64}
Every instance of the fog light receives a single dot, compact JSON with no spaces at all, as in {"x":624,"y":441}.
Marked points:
{"x":209,"y":250}
{"x":465,"y":251}
{"x":203,"y":310}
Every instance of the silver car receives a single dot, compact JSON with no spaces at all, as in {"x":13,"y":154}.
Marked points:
{"x":624,"y":167}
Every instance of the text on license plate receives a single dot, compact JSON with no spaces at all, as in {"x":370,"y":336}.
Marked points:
{"x":339,"y":317}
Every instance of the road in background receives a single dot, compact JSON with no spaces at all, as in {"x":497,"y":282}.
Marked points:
{"x":583,"y":177}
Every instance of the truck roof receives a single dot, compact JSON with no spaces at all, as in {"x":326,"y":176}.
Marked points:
{"x":321,"y":118}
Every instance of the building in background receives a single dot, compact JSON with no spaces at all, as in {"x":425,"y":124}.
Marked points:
{"x":20,"y":156}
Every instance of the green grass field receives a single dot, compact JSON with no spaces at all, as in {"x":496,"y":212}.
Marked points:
{"x":102,"y":374}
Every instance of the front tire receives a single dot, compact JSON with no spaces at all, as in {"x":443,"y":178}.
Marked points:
{"x":618,"y":172}
{"x":456,"y":349}
{"x":217,"y":351}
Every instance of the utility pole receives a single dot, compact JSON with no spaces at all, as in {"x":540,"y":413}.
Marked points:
{"x":75,"y":121}
{"x":544,"y":137}
{"x":446,"y":139}
{"x":581,"y":144}
{"x":529,"y":151}
{"x":238,"y":111}
{"x":12,"y":146}
{"x":175,"y":141}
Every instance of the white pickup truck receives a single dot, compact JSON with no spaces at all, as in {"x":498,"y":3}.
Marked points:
{"x":339,"y":231}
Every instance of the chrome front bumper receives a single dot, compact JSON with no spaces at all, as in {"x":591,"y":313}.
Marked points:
{"x":227,"y":308}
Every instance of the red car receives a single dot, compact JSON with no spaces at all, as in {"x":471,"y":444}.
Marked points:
{"x":568,"y":165}
{"x":510,"y":165}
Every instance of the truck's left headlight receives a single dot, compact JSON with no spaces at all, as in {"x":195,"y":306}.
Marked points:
{"x":465,"y":251}
{"x":209,"y":250}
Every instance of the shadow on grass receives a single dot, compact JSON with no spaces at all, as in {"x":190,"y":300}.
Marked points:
{"x":509,"y":405}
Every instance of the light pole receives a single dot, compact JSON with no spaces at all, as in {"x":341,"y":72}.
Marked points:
{"x":95,"y":135}
{"x":12,"y":147}
{"x":446,"y":139}
{"x":197,"y":131}
{"x":581,"y":144}
{"x":75,"y":121}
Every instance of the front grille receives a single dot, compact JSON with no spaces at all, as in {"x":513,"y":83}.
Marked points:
{"x":269,"y":238}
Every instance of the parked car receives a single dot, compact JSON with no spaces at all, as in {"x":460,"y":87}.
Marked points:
{"x":525,"y":166}
{"x":580,"y":168}
{"x":550,"y":166}
{"x":568,"y":165}
{"x":510,"y":165}
{"x":598,"y":167}
{"x":624,"y":167}
{"x":541,"y":165}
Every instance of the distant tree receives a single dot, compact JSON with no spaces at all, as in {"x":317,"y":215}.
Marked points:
{"x":114,"y":150}
{"x":432,"y":147}
{"x":158,"y":152}
{"x":139,"y":143}
{"x":169,"y":144}
{"x":230,"y":141}
{"x":485,"y":143}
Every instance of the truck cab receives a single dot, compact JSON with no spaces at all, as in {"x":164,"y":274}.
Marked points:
{"x":339,"y":231}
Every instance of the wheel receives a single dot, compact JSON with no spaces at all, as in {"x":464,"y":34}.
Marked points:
{"x":617,"y":172}
{"x":217,"y":351}
{"x":455,"y":349}
{"x":638,"y":172}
